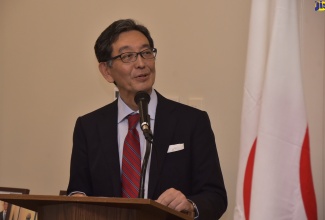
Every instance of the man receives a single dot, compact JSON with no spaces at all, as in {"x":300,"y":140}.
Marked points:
{"x":184,"y":171}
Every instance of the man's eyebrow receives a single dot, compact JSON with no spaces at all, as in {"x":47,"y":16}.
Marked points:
{"x":122,"y":49}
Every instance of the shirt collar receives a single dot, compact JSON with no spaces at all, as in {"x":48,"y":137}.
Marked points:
{"x":124,"y":110}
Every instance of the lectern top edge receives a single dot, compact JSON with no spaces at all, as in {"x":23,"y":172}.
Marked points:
{"x":36,"y":202}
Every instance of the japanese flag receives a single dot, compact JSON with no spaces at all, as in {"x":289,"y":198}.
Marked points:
{"x":274,"y":178}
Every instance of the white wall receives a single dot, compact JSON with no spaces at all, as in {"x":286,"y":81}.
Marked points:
{"x":49,"y":77}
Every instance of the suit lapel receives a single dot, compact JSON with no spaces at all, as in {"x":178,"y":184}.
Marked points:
{"x":109,"y":143}
{"x":163,"y":132}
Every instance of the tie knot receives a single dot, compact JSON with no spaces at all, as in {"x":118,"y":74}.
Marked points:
{"x":133,"y":120}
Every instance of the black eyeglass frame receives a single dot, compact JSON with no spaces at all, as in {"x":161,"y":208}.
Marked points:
{"x":154,"y":51}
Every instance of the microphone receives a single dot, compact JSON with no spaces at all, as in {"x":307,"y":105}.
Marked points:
{"x":142,"y":99}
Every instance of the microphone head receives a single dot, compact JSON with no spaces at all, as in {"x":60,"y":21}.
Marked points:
{"x":142,"y":96}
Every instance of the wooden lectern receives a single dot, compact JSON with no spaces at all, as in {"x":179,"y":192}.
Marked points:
{"x":93,"y":208}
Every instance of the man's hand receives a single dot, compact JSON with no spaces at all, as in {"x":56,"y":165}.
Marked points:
{"x":176,"y":200}
{"x":78,"y":195}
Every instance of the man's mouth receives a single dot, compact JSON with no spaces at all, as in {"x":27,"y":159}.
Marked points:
{"x":143,"y":75}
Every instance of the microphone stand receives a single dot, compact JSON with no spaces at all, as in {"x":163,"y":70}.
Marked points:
{"x":145,"y":161}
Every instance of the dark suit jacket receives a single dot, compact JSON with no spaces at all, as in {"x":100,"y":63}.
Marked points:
{"x":195,"y":171}
{"x":1,"y":215}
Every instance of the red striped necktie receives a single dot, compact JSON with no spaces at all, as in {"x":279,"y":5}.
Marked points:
{"x":131,"y":161}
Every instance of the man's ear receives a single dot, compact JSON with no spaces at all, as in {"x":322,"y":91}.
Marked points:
{"x":106,"y":72}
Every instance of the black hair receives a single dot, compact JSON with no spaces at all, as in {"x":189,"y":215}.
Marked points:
{"x":103,"y":46}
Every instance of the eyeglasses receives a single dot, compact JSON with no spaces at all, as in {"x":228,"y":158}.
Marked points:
{"x":129,"y":57}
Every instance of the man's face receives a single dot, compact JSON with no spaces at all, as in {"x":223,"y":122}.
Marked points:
{"x":135,"y":76}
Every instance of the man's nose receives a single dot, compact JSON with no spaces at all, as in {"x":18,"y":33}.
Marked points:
{"x":139,"y":62}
